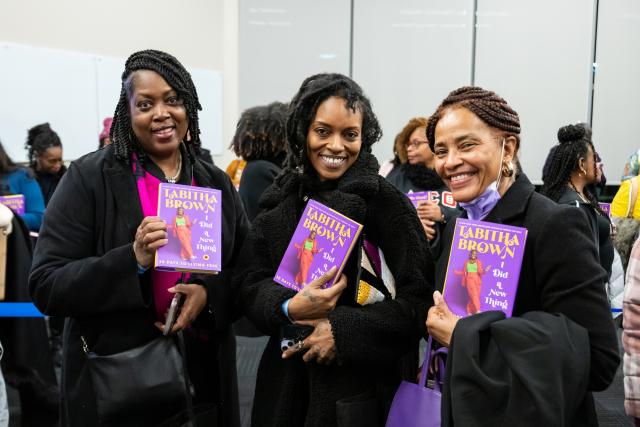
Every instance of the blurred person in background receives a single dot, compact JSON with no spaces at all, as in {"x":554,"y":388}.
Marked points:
{"x":417,"y":174}
{"x":104,"y":138}
{"x":572,"y":172}
{"x":15,"y":179}
{"x":45,"y":158}
{"x":260,"y":141}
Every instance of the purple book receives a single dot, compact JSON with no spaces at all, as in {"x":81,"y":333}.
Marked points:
{"x":434,"y":196}
{"x":193,"y":217}
{"x":15,"y":202}
{"x":606,"y":207}
{"x":323,"y":238}
{"x":484,"y":267}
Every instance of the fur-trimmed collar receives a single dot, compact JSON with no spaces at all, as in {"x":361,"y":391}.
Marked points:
{"x":347,"y":195}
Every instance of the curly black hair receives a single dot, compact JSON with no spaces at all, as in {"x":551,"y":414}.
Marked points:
{"x":564,"y":158}
{"x":176,"y":76}
{"x":260,"y":132}
{"x":40,"y":138}
{"x":304,"y":105}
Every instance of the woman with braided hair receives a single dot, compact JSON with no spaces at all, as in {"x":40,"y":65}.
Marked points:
{"x":571,"y":173}
{"x":540,"y":366}
{"x":94,"y":256}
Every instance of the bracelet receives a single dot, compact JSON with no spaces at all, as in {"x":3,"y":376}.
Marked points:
{"x":285,"y":309}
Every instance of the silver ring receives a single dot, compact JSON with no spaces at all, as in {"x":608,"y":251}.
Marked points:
{"x":300,"y":345}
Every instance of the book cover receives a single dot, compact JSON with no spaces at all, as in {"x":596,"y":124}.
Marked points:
{"x":323,"y":238}
{"x":484,"y":267}
{"x":15,"y":202}
{"x":606,"y":207}
{"x":193,"y":217}
{"x":446,"y":199}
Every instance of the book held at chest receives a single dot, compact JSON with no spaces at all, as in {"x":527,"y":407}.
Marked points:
{"x":15,"y":202}
{"x":193,"y":217}
{"x":324,"y":238}
{"x":484,"y":267}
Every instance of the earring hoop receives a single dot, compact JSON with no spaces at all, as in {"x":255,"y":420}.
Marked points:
{"x":507,"y":170}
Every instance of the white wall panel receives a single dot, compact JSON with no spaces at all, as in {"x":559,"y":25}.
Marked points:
{"x":284,"y":41}
{"x":408,"y":55}
{"x":616,"y":109}
{"x":538,"y":56}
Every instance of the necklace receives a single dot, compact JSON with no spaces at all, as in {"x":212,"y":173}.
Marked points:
{"x":584,"y":199}
{"x":173,"y":179}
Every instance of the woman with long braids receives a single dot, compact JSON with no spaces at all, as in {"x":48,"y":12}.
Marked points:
{"x":45,"y":158}
{"x":94,"y":258}
{"x":570,"y":176}
{"x":347,"y":370}
{"x":540,"y":366}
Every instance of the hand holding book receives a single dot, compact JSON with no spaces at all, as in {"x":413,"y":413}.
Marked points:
{"x":441,"y":321}
{"x":150,"y":235}
{"x":314,"y":301}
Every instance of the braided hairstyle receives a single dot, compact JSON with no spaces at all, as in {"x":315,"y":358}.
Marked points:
{"x":304,"y":105}
{"x":260,"y":132}
{"x":176,"y":76}
{"x":39,"y":139}
{"x":574,"y":143}
{"x":487,"y":105}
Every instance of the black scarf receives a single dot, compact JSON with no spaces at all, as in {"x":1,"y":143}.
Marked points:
{"x":422,"y":176}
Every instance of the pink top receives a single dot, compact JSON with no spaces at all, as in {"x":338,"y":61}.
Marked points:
{"x":148,"y":186}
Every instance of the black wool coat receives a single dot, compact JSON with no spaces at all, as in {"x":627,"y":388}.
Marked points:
{"x":560,"y":271}
{"x":376,"y":344}
{"x":85,"y":269}
{"x":488,"y":357}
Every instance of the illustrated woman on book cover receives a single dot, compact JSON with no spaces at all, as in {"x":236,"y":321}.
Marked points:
{"x":306,"y":251}
{"x":95,"y":256}
{"x":561,"y":306}
{"x":181,"y":226}
{"x":330,"y":130}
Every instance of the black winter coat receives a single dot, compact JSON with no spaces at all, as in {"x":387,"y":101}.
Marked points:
{"x":376,"y":344}
{"x":538,"y":381}
{"x":257,"y":176}
{"x":560,"y":271}
{"x":85,"y":269}
{"x":600,"y":227}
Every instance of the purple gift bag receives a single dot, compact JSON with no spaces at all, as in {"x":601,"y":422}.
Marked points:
{"x":416,"y":404}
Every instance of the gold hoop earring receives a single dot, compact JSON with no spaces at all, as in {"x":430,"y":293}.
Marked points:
{"x":507,"y":170}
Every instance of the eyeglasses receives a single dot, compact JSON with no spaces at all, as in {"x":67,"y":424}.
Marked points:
{"x":415,"y":143}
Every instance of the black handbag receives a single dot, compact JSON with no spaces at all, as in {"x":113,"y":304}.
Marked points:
{"x":146,"y":381}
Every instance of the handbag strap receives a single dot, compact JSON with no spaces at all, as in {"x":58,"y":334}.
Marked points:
{"x":187,"y":382}
{"x":432,"y":356}
{"x":633,"y":196}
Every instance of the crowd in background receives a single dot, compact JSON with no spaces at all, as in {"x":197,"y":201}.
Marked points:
{"x":91,"y":275}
